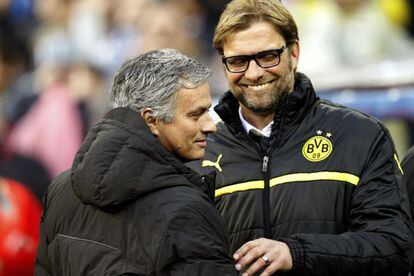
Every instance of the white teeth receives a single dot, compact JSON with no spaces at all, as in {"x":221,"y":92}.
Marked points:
{"x":259,"y":86}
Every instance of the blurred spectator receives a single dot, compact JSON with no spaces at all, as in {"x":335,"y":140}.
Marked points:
{"x":105,"y":33}
{"x":23,"y":169}
{"x":212,"y":10}
{"x":17,"y":17}
{"x":51,"y":131}
{"x":20,"y":214}
{"x":68,"y":92}
{"x":85,"y":84}
{"x":173,"y":24}
{"x":52,"y":128}
{"x":16,"y":97}
{"x":347,"y":33}
{"x":16,"y":92}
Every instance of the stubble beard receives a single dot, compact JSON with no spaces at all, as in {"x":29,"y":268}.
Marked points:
{"x":281,"y":87}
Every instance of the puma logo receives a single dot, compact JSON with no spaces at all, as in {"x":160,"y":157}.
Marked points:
{"x":208,"y":163}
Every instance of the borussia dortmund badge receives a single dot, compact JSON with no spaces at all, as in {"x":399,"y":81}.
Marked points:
{"x":318,"y":147}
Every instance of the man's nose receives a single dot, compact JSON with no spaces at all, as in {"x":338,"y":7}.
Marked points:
{"x":208,"y":125}
{"x":254,"y":72}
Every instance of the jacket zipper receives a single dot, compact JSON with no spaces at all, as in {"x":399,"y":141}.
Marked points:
{"x":266,"y":176}
{"x":265,"y":163}
{"x":266,"y":198}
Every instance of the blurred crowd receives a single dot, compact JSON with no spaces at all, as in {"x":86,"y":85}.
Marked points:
{"x":58,"y":58}
{"x":342,"y":34}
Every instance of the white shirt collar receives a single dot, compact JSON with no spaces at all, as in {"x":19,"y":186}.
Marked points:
{"x":265,"y":131}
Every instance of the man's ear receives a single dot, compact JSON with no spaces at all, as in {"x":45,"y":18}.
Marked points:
{"x":150,"y":120}
{"x":294,"y":53}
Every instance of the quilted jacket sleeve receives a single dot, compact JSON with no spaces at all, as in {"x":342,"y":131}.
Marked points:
{"x":379,"y":236}
{"x":195,"y":244}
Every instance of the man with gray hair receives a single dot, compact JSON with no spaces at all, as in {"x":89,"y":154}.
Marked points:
{"x":129,"y":206}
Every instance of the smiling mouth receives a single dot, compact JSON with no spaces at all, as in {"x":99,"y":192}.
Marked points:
{"x":201,"y":139}
{"x":202,"y":143}
{"x":258,"y":86}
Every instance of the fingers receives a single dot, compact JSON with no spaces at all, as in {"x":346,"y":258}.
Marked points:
{"x":256,"y":266}
{"x":281,"y":260}
{"x":277,"y":264}
{"x":267,"y":268}
{"x":263,"y":255}
{"x":242,"y":251}
{"x":249,"y":255}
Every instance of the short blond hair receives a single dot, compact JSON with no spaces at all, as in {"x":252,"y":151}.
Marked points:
{"x":241,"y":14}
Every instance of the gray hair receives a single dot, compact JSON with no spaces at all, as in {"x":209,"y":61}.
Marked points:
{"x":153,"y":80}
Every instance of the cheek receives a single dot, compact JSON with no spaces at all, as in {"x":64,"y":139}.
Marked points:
{"x":189,"y":133}
{"x":278,"y":70}
{"x":233,"y":78}
{"x":288,"y":65}
{"x":185,"y":133}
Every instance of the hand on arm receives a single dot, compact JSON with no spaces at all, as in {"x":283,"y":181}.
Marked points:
{"x":253,"y":256}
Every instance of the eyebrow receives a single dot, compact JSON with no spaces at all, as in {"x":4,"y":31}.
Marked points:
{"x":278,"y":50}
{"x":198,"y":110}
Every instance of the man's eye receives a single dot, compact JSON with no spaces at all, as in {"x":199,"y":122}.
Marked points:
{"x":236,"y":61}
{"x":195,"y":115}
{"x":267,"y":57}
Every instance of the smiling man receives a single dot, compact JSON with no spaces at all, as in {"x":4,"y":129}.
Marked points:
{"x":129,"y":206}
{"x":305,"y":186}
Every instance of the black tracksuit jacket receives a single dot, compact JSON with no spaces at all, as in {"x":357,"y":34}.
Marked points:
{"x":129,"y":207}
{"x":329,"y":185}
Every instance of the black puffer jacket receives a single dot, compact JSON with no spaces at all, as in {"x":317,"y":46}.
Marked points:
{"x":130,"y":207}
{"x":329,"y":185}
{"x":408,"y":166}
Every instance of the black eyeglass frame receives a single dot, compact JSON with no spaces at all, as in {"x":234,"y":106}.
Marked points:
{"x":248,"y":58}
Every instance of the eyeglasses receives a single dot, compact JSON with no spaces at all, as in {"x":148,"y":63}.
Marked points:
{"x":265,"y":59}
